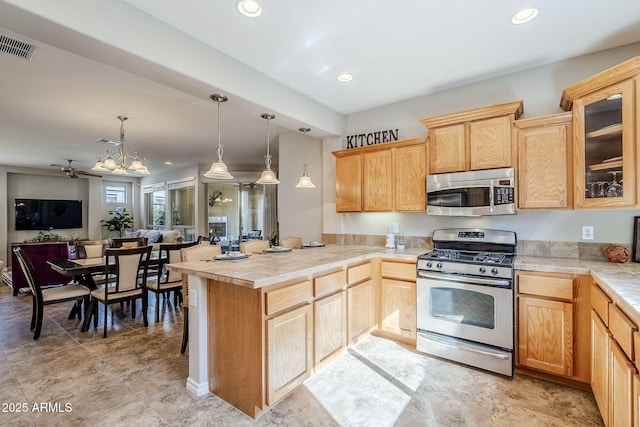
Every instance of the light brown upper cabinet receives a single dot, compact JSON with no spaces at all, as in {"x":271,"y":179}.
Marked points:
{"x":349,"y":183}
{"x":382,"y":177}
{"x":545,"y":174}
{"x":605,"y":131}
{"x":473,"y":139}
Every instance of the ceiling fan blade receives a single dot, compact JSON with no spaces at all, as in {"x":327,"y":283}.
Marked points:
{"x":79,"y":172}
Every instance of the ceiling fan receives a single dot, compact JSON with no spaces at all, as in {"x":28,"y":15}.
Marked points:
{"x":72,"y":172}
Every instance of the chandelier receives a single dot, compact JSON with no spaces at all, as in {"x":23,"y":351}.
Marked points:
{"x":305,"y":179}
{"x":218,"y":169}
{"x":116,"y":162}
{"x":268,"y":177}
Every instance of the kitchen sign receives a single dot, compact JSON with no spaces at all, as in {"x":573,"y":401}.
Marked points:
{"x":371,"y":138}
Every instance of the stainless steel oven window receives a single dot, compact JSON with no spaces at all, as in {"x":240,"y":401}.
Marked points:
{"x":463,"y":306}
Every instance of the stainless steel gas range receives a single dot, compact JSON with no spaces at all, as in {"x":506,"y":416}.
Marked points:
{"x":465,"y":298}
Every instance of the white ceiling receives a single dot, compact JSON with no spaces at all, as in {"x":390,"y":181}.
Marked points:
{"x":157,"y":62}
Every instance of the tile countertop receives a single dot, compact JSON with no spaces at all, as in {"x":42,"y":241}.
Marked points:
{"x":261,"y":270}
{"x":620,"y":281}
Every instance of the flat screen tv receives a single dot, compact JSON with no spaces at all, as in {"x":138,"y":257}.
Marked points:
{"x":40,"y":214}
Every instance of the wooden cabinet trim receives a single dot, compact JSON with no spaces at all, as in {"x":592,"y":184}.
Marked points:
{"x":623,"y":71}
{"x":514,"y":108}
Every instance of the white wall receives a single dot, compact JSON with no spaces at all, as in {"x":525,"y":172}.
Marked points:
{"x":299,"y":209}
{"x":540,"y":89}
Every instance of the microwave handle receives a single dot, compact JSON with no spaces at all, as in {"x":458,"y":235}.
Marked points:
{"x":492,"y":205}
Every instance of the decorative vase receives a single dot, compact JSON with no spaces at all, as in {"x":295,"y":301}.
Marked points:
{"x":617,"y":253}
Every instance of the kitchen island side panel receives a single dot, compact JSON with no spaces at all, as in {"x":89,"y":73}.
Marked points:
{"x":235,"y":340}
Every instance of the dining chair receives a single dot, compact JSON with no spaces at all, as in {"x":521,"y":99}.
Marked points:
{"x":193,"y":253}
{"x":93,"y":249}
{"x":168,"y":280}
{"x":49,"y":295}
{"x":254,"y":246}
{"x":127,"y":272}
{"x":291,"y":242}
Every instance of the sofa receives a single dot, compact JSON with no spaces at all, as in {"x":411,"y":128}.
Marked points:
{"x":155,"y":237}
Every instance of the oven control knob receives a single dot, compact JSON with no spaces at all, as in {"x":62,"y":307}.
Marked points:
{"x":429,"y":264}
{"x":482,"y":270}
{"x":439,"y":265}
{"x":494,"y":270}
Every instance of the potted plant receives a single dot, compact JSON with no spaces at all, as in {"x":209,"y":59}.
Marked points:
{"x":120,"y":221}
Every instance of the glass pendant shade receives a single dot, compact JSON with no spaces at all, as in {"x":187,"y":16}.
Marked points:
{"x":268,"y":176}
{"x":218,"y":169}
{"x":99,"y":166}
{"x":305,"y":180}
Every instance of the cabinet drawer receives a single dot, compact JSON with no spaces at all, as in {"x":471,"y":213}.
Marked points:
{"x":290,"y":296}
{"x":358,"y":273}
{"x":399,"y":270}
{"x":546,"y":286}
{"x":622,"y":329}
{"x":329,"y":283}
{"x":600,"y":303}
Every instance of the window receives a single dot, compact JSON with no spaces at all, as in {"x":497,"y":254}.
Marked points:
{"x":115,"y":194}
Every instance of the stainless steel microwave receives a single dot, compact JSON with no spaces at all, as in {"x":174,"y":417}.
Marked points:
{"x":475,"y":193}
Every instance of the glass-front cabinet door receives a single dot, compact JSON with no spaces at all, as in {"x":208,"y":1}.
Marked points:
{"x":604,"y":126}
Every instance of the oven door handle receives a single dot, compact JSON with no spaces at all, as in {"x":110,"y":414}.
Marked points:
{"x":464,"y":279}
{"x":444,"y":343}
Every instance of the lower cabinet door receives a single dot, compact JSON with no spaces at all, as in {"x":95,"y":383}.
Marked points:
{"x":361,"y":312}
{"x":289,"y":341}
{"x":636,"y":399}
{"x":545,"y":335}
{"x":398,"y":307}
{"x":622,"y":372}
{"x":330,"y":327}
{"x":600,"y":364}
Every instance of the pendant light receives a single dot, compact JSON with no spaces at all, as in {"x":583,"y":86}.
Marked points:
{"x":117,"y":162}
{"x":268,"y":177}
{"x":305,"y":180}
{"x":218,"y":169}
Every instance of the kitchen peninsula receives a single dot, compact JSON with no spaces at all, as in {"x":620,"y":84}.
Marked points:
{"x":259,"y":326}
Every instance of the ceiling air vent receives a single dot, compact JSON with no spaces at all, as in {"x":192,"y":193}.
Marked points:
{"x":16,"y":47}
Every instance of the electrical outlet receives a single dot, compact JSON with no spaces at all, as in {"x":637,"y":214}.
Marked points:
{"x":587,"y":232}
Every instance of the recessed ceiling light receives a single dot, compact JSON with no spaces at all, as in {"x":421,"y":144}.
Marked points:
{"x":524,"y":16}
{"x":250,"y":8}
{"x":344,"y":77}
{"x":168,"y":163}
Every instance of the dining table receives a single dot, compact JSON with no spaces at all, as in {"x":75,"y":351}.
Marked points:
{"x":82,"y":270}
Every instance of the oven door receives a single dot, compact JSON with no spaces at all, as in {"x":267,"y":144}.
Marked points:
{"x":473,"y":312}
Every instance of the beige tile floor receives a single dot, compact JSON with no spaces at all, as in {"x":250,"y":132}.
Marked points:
{"x":137,"y":376}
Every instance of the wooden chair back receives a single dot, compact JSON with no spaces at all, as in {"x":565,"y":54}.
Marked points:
{"x":30,"y":273}
{"x":196,"y":253}
{"x":291,"y":242}
{"x":92,"y":248}
{"x":128,"y":264}
{"x":171,"y":254}
{"x":254,"y":246}
{"x":128,"y":242}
